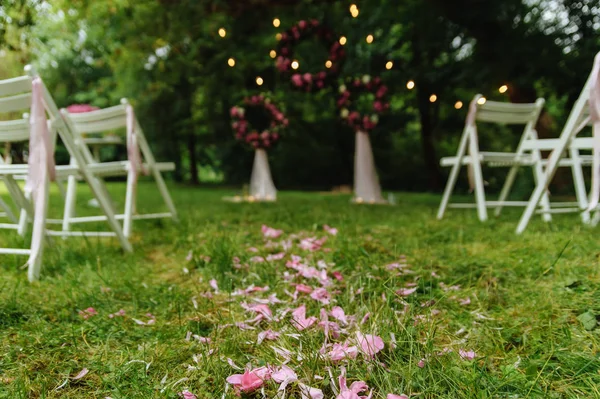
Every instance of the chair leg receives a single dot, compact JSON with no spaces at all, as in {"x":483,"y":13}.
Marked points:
{"x":579,"y":182}
{"x":479,"y":190}
{"x":164,"y":192}
{"x":38,"y":234}
{"x":107,"y":208}
{"x":70,"y":200}
{"x":129,"y":203}
{"x":510,"y":179}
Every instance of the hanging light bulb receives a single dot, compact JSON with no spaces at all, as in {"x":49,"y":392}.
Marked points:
{"x":231,"y":62}
{"x":278,"y":36}
{"x":222,"y":32}
{"x":273,"y":53}
{"x":433,"y":98}
{"x":410,"y":85}
{"x":458,"y":105}
{"x":259,"y":80}
{"x":343,"y":40}
{"x":328,"y":64}
{"x":503,"y":89}
{"x":354,"y":10}
{"x":276,"y":22}
{"x":295,"y":64}
{"x":389,"y":65}
{"x":369,"y":39}
{"x":481,"y":101}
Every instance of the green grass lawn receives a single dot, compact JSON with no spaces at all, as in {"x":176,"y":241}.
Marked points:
{"x":525,"y":305}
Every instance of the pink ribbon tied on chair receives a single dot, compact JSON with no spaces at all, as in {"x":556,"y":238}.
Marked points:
{"x":133,"y":149}
{"x":594,"y":103}
{"x":40,"y":162}
{"x":470,"y":122}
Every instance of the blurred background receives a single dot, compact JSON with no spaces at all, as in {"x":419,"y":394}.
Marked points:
{"x":184,"y":63}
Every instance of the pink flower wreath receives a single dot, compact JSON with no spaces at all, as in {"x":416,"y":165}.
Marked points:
{"x":310,"y":81}
{"x":244,"y":132}
{"x":352,"y":117}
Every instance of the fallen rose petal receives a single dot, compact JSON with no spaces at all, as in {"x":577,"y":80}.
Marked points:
{"x":406,"y":291}
{"x":187,"y":394}
{"x":394,"y":396}
{"x":466,"y":355}
{"x":310,"y":392}
{"x":270,"y":232}
{"x":331,"y":230}
{"x":81,"y":374}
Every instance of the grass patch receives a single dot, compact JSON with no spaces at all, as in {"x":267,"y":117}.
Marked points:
{"x":516,"y":301}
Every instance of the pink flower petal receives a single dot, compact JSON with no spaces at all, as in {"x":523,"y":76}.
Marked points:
{"x":81,"y":374}
{"x":394,"y":396}
{"x":187,"y":394}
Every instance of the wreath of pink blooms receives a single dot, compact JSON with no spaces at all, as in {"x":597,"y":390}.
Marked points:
{"x":363,"y":123}
{"x":246,"y":134}
{"x":285,"y":50}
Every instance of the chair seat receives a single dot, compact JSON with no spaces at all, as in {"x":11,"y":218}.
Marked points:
{"x":499,"y":159}
{"x":117,"y":168}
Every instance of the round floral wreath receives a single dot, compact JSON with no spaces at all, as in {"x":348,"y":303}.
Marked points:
{"x":244,"y":133}
{"x":293,"y":36}
{"x":353,"y":118}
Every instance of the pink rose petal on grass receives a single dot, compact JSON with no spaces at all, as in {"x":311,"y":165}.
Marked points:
{"x":299,"y":319}
{"x":268,"y":335}
{"x":284,"y":376}
{"x":305,"y":289}
{"x":369,"y":344}
{"x":465,"y":301}
{"x":466,"y":355}
{"x":310,"y":392}
{"x":321,"y":295}
{"x":406,"y":291}
{"x":339,"y":314}
{"x":185,"y":394}
{"x":251,"y":380}
{"x":331,"y":230}
{"x":394,"y":396}
{"x":87,"y":313}
{"x":269,"y":232}
{"x":214,"y":285}
{"x":81,"y":374}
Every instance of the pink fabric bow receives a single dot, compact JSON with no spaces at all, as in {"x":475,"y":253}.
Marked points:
{"x":471,"y":125}
{"x":81,"y":108}
{"x":41,"y":166}
{"x":594,"y":102}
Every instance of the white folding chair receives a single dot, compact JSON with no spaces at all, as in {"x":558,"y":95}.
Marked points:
{"x":29,"y":93}
{"x":469,"y":154}
{"x":110,"y":120}
{"x":585,"y":112}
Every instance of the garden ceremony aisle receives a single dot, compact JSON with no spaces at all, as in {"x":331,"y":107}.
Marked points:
{"x":408,"y":304}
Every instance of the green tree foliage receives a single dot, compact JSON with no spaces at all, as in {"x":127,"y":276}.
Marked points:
{"x":167,"y":56}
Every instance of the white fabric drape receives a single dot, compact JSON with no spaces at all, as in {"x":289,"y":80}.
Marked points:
{"x":366,"y":181}
{"x":261,"y":183}
{"x":594,"y":103}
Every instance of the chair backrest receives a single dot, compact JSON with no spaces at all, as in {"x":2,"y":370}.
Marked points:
{"x":101,"y":120}
{"x":15,"y":96}
{"x":510,"y":113}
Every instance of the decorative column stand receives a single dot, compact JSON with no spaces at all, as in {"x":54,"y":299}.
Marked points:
{"x":366,"y":181}
{"x":261,"y":182}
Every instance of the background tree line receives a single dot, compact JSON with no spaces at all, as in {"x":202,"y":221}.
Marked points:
{"x":167,"y":56}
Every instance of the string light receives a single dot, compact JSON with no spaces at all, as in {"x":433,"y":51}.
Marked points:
{"x":354,"y":10}
{"x":410,"y":85}
{"x":273,"y":53}
{"x":481,"y":101}
{"x":259,"y":80}
{"x":343,"y":40}
{"x":222,"y":32}
{"x":276,"y":22}
{"x":389,"y":65}
{"x":231,"y":62}
{"x":503,"y":89}
{"x":433,"y":98}
{"x":278,"y":36}
{"x":458,"y":105}
{"x":370,"y":39}
{"x":295,"y":64}
{"x":328,"y":64}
